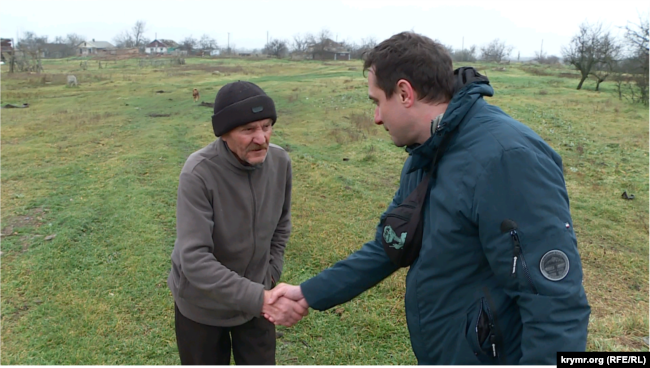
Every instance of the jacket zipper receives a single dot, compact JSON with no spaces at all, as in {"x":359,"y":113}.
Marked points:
{"x":478,"y":322}
{"x":493,"y":341}
{"x":397,"y":216}
{"x":519,"y":254}
{"x":250,"y":184}
{"x":492,"y":336}
{"x":495,"y":335}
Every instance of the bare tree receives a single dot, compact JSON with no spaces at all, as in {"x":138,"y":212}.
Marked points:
{"x":318,"y":41}
{"x":133,"y":37}
{"x":31,"y":47}
{"x":189,"y":44}
{"x":465,"y":55}
{"x":299,"y":43}
{"x":124,"y":40}
{"x":74,"y":39}
{"x":277,"y":48}
{"x":592,"y":48}
{"x":367,"y":44}
{"x":620,"y":77}
{"x":137,"y":33}
{"x":310,"y":39}
{"x":323,"y":35}
{"x":636,"y":37}
{"x":607,"y":54}
{"x":207,"y":43}
{"x":540,"y":57}
{"x":71,"y":41}
{"x":31,"y":40}
{"x":496,"y":50}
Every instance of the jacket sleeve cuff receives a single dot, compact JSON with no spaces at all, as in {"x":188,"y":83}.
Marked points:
{"x":255,"y":296}
{"x":313,"y":292}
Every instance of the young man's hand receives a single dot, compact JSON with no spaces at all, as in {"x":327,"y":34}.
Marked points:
{"x":284,"y":305}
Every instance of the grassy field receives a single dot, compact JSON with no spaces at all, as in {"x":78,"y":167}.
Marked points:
{"x":89,"y":180}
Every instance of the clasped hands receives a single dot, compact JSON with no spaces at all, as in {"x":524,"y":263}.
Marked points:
{"x":284,"y":305}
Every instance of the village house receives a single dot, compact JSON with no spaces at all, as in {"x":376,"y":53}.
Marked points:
{"x":161,"y":47}
{"x":6,"y":48}
{"x":94,"y":47}
{"x":328,"y":50}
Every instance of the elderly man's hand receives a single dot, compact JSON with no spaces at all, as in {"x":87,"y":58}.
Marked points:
{"x":282,"y":310}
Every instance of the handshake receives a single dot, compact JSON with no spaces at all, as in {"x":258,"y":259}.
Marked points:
{"x":284,"y":305}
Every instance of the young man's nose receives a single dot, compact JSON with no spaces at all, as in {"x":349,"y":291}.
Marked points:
{"x":378,"y":120}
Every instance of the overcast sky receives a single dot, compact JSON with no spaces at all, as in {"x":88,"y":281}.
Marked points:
{"x":522,"y":24}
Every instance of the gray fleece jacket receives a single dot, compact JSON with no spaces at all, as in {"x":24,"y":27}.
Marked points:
{"x":232,"y":224}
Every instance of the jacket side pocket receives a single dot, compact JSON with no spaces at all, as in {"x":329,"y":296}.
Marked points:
{"x":481,"y":334}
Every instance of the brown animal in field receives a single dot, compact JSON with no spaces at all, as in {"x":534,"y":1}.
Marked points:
{"x":195,"y":94}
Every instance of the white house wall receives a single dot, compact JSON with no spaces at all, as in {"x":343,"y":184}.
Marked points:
{"x":158,"y":50}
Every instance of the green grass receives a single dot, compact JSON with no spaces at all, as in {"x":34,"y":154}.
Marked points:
{"x":89,"y":165}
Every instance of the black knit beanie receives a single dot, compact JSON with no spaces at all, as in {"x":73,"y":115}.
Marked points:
{"x":240,"y":103}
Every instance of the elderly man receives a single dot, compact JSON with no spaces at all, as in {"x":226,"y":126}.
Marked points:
{"x":233,"y":220}
{"x":495,"y":276}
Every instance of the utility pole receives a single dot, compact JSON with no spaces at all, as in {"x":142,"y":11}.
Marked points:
{"x":541,"y":50}
{"x":229,"y":42}
{"x":12,"y":55}
{"x":463,"y":44}
{"x":267,"y":37}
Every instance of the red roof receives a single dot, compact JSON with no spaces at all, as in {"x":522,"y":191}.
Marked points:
{"x":156,"y":43}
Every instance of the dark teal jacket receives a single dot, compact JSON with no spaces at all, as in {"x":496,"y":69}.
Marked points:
{"x":499,"y":278}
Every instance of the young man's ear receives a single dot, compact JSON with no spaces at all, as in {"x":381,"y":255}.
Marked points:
{"x":405,"y":92}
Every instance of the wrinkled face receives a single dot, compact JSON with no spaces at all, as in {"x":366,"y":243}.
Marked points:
{"x":250,"y":142}
{"x":390,"y":113}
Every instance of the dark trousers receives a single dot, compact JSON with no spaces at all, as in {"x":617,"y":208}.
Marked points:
{"x":252,"y":343}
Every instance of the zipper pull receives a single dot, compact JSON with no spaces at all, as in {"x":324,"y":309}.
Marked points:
{"x":517,"y":251}
{"x":494,"y":345}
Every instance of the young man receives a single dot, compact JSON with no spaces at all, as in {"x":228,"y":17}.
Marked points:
{"x":498,"y":279}
{"x":233,"y":220}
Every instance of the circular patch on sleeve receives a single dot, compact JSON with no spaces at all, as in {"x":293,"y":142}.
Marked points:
{"x":554,"y":265}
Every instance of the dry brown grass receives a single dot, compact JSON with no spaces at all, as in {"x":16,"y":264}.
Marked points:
{"x":210,"y":68}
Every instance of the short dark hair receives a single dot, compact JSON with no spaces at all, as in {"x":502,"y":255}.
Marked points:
{"x":423,"y":62}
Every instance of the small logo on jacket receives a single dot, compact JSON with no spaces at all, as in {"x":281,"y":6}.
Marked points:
{"x":554,"y":265}
{"x":390,"y":237}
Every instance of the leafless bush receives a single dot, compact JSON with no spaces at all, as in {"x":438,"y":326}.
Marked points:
{"x":536,"y":71}
{"x":496,"y":50}
{"x":568,"y":75}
